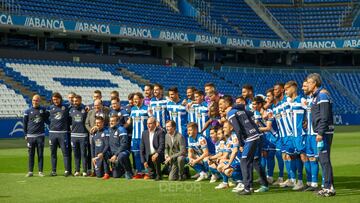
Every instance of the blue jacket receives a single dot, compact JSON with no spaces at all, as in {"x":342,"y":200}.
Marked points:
{"x":244,"y":125}
{"x":77,"y":121}
{"x":34,"y":121}
{"x":59,"y":119}
{"x":321,"y":112}
{"x":100,"y":142}
{"x":118,"y":140}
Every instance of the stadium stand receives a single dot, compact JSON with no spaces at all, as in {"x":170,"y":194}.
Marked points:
{"x":351,"y":80}
{"x":65,"y":77}
{"x":316,"y":21}
{"x":182,"y":77}
{"x":264,"y":78}
{"x":12,"y":102}
{"x":130,"y":12}
{"x":240,"y":19}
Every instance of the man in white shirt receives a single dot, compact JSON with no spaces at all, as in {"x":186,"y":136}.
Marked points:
{"x":152,"y":149}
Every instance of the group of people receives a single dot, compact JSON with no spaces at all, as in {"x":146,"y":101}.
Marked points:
{"x":220,"y":137}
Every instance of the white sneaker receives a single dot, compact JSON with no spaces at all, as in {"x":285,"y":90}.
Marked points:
{"x":29,"y":174}
{"x":195,"y":176}
{"x":240,"y":187}
{"x":213,"y":178}
{"x":231,"y":184}
{"x":221,"y":186}
{"x":298,"y":186}
{"x":278,"y":181}
{"x":76,"y":174}
{"x":202,"y":176}
{"x":84,"y":174}
{"x":287,"y":183}
{"x":41,"y":174}
{"x":270,"y":179}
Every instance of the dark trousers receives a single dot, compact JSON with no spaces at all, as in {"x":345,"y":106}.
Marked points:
{"x":69,"y":150}
{"x":121,"y":165}
{"x":246,"y":161}
{"x":79,"y":145}
{"x":38,"y":144}
{"x":56,"y":140}
{"x":154,"y":167}
{"x":101,"y":167}
{"x":325,"y":162}
{"x":88,"y":155}
{"x":124,"y":161}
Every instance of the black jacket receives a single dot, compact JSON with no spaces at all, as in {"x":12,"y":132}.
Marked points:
{"x":158,"y":144}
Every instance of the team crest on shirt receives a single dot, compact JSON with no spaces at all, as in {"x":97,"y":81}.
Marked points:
{"x":116,"y":133}
{"x":58,"y":115}
{"x":98,"y":142}
{"x":174,"y":114}
{"x":63,"y":108}
{"x":83,"y":111}
{"x":102,"y":134}
{"x":157,"y":108}
{"x":37,"y":119}
{"x":78,"y":118}
{"x":137,"y":118}
{"x":41,"y":111}
{"x":119,"y":114}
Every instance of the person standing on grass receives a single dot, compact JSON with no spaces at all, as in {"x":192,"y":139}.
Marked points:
{"x":323,"y":124}
{"x":58,"y":133}
{"x":34,"y":129}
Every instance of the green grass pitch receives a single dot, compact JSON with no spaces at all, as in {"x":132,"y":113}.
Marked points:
{"x":14,"y":187}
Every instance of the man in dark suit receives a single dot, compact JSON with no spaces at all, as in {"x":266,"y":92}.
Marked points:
{"x":175,"y":152}
{"x":152,"y":149}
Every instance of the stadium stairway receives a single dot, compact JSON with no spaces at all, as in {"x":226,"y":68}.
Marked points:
{"x":334,"y":82}
{"x":132,"y":76}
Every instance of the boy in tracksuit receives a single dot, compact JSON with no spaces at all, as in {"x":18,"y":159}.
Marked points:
{"x":99,"y":149}
{"x":119,"y":149}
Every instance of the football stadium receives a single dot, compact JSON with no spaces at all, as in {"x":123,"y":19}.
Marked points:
{"x":179,"y":100}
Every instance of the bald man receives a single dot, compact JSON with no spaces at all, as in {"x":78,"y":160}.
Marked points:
{"x":34,"y":129}
{"x":152,"y":149}
{"x":98,"y":111}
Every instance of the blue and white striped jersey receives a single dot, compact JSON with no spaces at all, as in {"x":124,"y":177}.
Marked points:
{"x":309,"y":129}
{"x":192,"y":113}
{"x":298,"y":108}
{"x":159,"y":110}
{"x":202,"y":116}
{"x":178,"y":114}
{"x":139,"y":116}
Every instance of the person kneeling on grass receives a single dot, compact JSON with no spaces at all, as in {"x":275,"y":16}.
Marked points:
{"x":230,"y":166}
{"x":100,"y":145}
{"x":198,"y":151}
{"x":218,"y":139}
{"x":119,"y":149}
